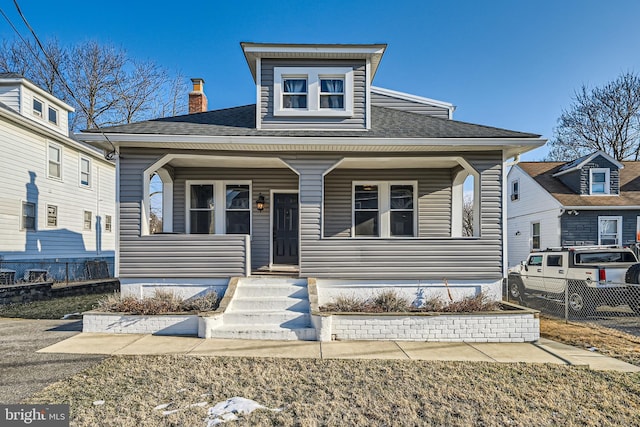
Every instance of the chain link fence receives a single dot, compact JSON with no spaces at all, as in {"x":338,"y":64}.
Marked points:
{"x":22,"y":272}
{"x":576,"y":299}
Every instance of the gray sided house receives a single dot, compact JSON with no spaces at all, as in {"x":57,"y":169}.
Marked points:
{"x":324,"y":177}
{"x":593,"y":200}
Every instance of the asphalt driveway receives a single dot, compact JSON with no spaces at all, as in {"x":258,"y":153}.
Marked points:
{"x":22,"y":370}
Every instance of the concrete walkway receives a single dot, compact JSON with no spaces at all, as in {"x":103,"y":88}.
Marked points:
{"x":544,"y":351}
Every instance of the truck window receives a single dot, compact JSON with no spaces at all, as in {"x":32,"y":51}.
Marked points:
{"x":535,"y":260}
{"x":554,"y":260}
{"x":596,"y":257}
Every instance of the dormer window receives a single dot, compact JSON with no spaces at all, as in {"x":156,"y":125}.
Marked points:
{"x":313,"y":92}
{"x":294,"y":93}
{"x":37,"y":107}
{"x":53,"y":116}
{"x":332,"y":93}
{"x":599,"y":181}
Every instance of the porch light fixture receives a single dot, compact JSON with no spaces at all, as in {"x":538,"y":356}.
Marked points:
{"x":260,"y":202}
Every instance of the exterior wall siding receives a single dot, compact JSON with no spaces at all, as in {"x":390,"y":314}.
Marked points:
{"x":24,"y":179}
{"x":433,"y":193}
{"x":269,"y":121}
{"x":263,"y":181}
{"x":411,"y":258}
{"x":10,"y":96}
{"x":534,"y":205}
{"x":407,"y":105}
{"x":583,"y":228}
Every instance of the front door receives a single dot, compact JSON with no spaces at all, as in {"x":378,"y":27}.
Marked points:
{"x":285,"y":228}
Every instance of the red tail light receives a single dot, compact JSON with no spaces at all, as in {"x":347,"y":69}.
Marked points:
{"x":602,"y":275}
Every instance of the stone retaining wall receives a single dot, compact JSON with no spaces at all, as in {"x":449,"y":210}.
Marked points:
{"x":18,"y":294}
{"x":116,"y":323}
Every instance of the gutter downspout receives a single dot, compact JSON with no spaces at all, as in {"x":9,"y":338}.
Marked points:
{"x":506,"y":164}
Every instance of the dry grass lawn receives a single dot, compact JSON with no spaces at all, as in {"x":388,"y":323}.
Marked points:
{"x":607,"y":341}
{"x":347,"y":392}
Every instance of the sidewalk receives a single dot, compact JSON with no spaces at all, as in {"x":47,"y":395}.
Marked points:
{"x":543,"y":351}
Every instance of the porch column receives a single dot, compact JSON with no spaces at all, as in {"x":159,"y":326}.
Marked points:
{"x":311,"y":189}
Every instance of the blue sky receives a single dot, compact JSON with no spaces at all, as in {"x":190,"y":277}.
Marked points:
{"x":512,"y":64}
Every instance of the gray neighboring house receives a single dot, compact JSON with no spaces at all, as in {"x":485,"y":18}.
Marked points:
{"x":324,"y":177}
{"x":593,"y":200}
{"x":57,"y":203}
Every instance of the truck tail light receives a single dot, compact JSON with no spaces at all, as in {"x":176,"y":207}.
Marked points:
{"x":602,"y":275}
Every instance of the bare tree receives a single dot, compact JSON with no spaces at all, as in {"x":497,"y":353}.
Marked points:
{"x":109,"y":87}
{"x":603,"y":118}
{"x":467,"y":217}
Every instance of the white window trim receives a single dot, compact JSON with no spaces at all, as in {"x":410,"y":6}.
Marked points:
{"x":539,"y":235}
{"x":47,"y":218}
{"x":515,"y":196}
{"x":108,"y":225}
{"x":81,"y":158}
{"x":618,"y":229}
{"x":384,"y":209}
{"x":84,"y":222}
{"x":35,"y":214}
{"x":607,"y":182}
{"x":219,"y":200}
{"x":35,"y":112}
{"x":313,"y":76}
{"x":49,"y":109}
{"x":61,"y":151}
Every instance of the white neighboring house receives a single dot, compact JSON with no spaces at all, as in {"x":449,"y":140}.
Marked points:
{"x":57,"y":202}
{"x":593,"y":200}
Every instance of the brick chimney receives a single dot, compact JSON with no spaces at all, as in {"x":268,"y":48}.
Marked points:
{"x":197,"y":98}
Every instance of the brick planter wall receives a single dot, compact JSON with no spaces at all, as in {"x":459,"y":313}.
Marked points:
{"x":500,"y":326}
{"x":116,"y":323}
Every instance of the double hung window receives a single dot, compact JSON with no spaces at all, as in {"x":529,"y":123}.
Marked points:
{"x":384,"y":209}
{"x":54,"y":167}
{"x":599,"y":181}
{"x":28,"y":216}
{"x":218,"y":207}
{"x":306,"y":91}
{"x":52,"y":216}
{"x":85,"y":172}
{"x":609,"y":230}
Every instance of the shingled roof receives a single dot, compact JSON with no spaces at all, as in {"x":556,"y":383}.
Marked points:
{"x":542,"y":173}
{"x":386,"y":123}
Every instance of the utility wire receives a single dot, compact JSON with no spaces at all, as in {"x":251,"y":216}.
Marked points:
{"x":110,"y":155}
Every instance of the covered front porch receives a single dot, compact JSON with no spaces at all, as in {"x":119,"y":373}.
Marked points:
{"x":359,"y":216}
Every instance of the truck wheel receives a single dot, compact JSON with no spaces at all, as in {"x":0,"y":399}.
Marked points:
{"x":633,"y":274}
{"x":580,"y":301}
{"x":516,"y":289}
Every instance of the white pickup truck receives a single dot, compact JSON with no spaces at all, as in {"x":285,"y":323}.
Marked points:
{"x":592,"y":276}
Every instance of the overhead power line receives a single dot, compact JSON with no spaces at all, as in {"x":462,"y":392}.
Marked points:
{"x":110,"y":155}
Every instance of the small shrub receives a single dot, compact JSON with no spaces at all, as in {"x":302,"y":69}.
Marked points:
{"x":479,"y":302}
{"x":389,"y":301}
{"x":346,"y":304}
{"x":208,"y":302}
{"x":162,"y":302}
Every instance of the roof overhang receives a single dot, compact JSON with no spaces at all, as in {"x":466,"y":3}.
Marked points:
{"x":372,"y":52}
{"x":510,"y":146}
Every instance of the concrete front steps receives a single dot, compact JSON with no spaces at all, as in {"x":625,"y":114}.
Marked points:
{"x":268,"y":308}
